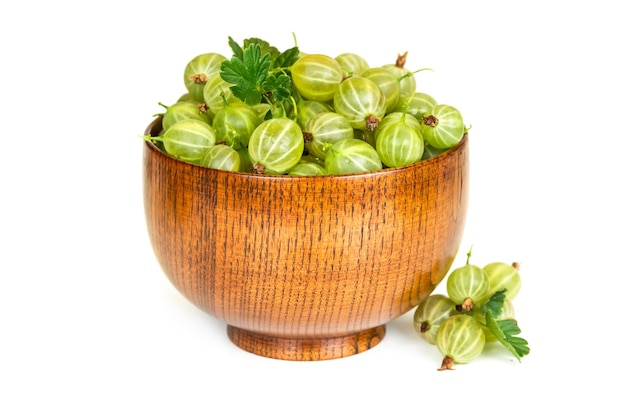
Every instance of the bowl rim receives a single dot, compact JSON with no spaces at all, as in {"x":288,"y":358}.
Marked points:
{"x":156,"y":124}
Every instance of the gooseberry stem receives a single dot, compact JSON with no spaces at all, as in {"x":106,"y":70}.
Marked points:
{"x":349,"y":74}
{"x":466,"y":305}
{"x":430,"y":120}
{"x":408,"y":74}
{"x":447,"y":364}
{"x":469,"y":254}
{"x":295,"y":107}
{"x":371,"y":121}
{"x":223,"y":96}
{"x":153,"y":139}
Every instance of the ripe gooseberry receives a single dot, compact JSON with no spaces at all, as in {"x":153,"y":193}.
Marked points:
{"x":415,"y":104}
{"x":217,"y":93}
{"x":351,"y":156}
{"x":430,"y":314}
{"x":309,"y":108}
{"x":324,"y":129}
{"x":388,"y":84}
{"x":442,"y":126}
{"x":222,"y":157}
{"x":307,"y":168}
{"x":467,"y":286}
{"x":361,"y":101}
{"x":352,"y":64}
{"x":316,"y":76}
{"x":189,"y":140}
{"x":398,"y":144}
{"x":234,"y":123}
{"x":397,"y":116}
{"x":184,"y":110}
{"x":460,"y":339}
{"x":504,"y":276}
{"x":276,"y":146}
{"x":402,"y":74}
{"x":198,"y":70}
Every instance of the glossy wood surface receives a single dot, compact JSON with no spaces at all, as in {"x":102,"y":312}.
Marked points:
{"x":305,"y":268}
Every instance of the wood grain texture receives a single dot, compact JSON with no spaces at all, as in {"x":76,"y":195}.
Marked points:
{"x":305,"y":268}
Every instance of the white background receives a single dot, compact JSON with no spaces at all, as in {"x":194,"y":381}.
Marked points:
{"x":90,"y":326}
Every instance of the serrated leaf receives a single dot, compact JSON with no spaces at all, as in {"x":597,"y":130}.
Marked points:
{"x":249,"y":96}
{"x":258,"y":65}
{"x":282,"y":87}
{"x":265,"y":47}
{"x":249,"y":72}
{"x":234,"y":46}
{"x":496,"y":302}
{"x":505,"y":331}
{"x":287,"y":58}
{"x":234,"y":72}
{"x":279,"y":85}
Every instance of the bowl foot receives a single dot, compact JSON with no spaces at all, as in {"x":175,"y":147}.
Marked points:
{"x":306,"y":349}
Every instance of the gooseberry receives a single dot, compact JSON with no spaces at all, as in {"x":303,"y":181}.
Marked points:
{"x":460,"y":339}
{"x":276,"y":146}
{"x":361,"y":101}
{"x":316,"y":76}
{"x":430,"y":314}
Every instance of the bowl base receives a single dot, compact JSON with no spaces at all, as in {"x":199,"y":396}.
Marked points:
{"x":306,"y":349}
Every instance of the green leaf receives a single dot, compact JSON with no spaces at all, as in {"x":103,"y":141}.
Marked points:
{"x":266,"y":48}
{"x":249,"y":96}
{"x":237,"y":50}
{"x":259,"y":64}
{"x":247,"y":74}
{"x":287,"y":58}
{"x":279,"y":85}
{"x":495,"y":303}
{"x":505,"y":331}
{"x":248,"y":71}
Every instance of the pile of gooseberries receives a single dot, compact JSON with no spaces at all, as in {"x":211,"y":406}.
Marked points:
{"x":293,"y":113}
{"x":476,"y":310}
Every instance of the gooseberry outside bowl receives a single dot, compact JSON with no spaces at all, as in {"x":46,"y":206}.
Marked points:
{"x":305,"y":268}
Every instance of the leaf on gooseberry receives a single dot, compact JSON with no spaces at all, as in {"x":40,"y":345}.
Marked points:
{"x":287,"y":58}
{"x":234,"y":46}
{"x":264,"y":45}
{"x":279,"y":85}
{"x":505,"y":331}
{"x":249,"y":71}
{"x":247,"y":74}
{"x":496,"y":302}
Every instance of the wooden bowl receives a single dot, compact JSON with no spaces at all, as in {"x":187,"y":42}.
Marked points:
{"x":305,"y":268}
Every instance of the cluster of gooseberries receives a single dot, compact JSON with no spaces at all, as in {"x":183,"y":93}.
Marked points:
{"x":269,"y":112}
{"x":477,"y":310}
